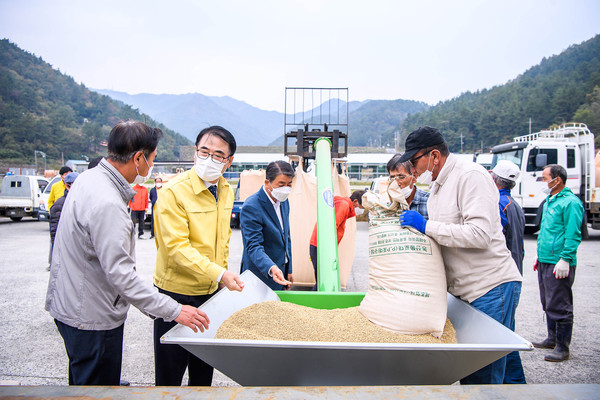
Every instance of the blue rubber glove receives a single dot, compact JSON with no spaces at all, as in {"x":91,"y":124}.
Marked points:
{"x":414,"y":220}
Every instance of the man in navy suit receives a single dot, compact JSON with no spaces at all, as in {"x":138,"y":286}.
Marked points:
{"x":265,"y":225}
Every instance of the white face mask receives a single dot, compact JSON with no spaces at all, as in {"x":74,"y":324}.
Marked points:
{"x":281,"y":193}
{"x":140,"y":179}
{"x":547,"y":190}
{"x":407,"y":191}
{"x":426,"y":177}
{"x":208,"y":170}
{"x":358,"y":211}
{"x":158,"y":185}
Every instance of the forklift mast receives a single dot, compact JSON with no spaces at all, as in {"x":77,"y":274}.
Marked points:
{"x":311,"y":114}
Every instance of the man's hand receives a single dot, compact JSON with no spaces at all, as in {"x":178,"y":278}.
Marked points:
{"x":193,"y":318}
{"x":279,"y":278}
{"x":536,"y":265}
{"x":232,"y":281}
{"x":561,"y":269}
{"x":414,"y":220}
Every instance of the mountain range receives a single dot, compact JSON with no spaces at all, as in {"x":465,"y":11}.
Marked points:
{"x":187,"y":114}
{"x":44,"y":110}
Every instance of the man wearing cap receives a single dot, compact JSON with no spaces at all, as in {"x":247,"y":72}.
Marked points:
{"x":512,"y":217}
{"x":464,"y":220}
{"x":57,"y":207}
{"x":56,"y":191}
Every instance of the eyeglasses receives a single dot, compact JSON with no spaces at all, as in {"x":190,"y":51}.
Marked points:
{"x":414,"y":160}
{"x":203,"y":155}
{"x":399,"y":177}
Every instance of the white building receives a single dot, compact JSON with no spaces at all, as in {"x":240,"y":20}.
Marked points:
{"x":361,"y":166}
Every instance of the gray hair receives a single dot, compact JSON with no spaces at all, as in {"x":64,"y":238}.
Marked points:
{"x":502,"y":183}
{"x":276,"y":168}
{"x":395,"y":163}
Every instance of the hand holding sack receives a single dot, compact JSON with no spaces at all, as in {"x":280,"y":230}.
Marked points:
{"x":407,"y":279}
{"x":413,"y":219}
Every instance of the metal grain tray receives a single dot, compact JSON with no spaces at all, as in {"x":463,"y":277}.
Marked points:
{"x":481,"y":340}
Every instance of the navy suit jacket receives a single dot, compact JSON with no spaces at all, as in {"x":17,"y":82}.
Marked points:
{"x":265,"y":243}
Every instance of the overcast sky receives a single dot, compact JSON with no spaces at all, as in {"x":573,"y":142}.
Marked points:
{"x":252,"y":49}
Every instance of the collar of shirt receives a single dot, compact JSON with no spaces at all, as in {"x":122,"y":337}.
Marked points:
{"x":207,"y":183}
{"x":125,"y":189}
{"x":444,"y":173}
{"x":275,"y":203}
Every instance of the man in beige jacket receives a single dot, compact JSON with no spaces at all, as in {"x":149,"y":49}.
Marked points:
{"x":464,"y":220}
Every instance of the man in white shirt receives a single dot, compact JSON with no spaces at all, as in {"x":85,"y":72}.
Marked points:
{"x":464,"y":220}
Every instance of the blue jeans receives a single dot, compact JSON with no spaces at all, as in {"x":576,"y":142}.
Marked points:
{"x":514,"y":368}
{"x":499,"y":303}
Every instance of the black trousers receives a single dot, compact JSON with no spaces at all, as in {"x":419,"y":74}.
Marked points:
{"x":313,"y":258}
{"x":94,"y":356}
{"x":556,"y":294}
{"x":152,"y":222}
{"x":171,"y":360}
{"x":138,"y":218}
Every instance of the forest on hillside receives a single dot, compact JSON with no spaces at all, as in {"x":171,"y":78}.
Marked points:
{"x":562,"y":88}
{"x":42,"y":109}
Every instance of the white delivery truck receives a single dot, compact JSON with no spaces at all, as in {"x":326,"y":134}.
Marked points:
{"x":570,"y":145}
{"x":20,"y":196}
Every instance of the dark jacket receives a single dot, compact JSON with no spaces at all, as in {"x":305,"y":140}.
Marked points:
{"x":55,"y":211}
{"x":513,"y":226}
{"x":265,"y":243}
{"x":153,"y":196}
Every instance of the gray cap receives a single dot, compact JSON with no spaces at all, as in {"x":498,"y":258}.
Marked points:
{"x":71,"y":176}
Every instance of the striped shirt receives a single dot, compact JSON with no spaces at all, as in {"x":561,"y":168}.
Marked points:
{"x":419,"y":203}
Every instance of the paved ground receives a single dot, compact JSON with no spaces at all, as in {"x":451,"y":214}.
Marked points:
{"x":32,"y":351}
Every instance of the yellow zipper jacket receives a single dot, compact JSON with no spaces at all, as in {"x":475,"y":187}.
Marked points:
{"x":192,"y":235}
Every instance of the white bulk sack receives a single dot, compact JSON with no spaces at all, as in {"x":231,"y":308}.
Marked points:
{"x":250,"y":182}
{"x":407,"y":279}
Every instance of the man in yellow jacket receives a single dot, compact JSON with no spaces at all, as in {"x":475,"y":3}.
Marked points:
{"x":58,"y":189}
{"x":191,"y":227}
{"x":56,"y":192}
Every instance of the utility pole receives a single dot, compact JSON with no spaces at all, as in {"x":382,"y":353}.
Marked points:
{"x":35,"y":153}
{"x":461,"y":142}
{"x":530,"y":126}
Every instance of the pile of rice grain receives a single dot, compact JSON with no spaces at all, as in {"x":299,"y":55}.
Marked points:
{"x":278,"y":320}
